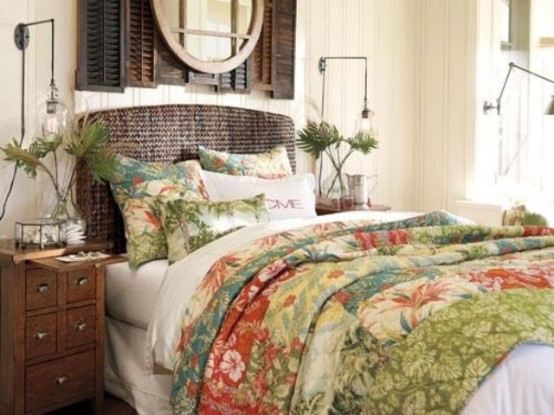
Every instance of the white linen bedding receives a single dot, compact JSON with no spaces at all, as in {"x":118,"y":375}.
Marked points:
{"x":131,"y":294}
{"x":522,"y":384}
{"x":124,"y":375}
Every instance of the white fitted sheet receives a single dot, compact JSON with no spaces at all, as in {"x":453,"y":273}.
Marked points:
{"x":131,"y":294}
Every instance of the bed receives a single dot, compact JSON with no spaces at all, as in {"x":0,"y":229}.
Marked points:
{"x":232,"y":358}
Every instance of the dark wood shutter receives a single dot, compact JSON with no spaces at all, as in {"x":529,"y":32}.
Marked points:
{"x":169,"y":69}
{"x":284,"y":38}
{"x":237,"y":80}
{"x":141,"y":54}
{"x":101,"y":46}
{"x":261,"y":56}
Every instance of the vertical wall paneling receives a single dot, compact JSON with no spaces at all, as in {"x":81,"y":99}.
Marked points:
{"x":419,"y":153}
{"x":457,"y":95}
{"x":445,"y":142}
{"x":400,"y":162}
{"x":433,"y":88}
{"x":21,"y":203}
{"x":447,"y":102}
{"x":387,"y":75}
{"x":473,"y":110}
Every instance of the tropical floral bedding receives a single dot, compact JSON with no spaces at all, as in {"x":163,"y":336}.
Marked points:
{"x":351,"y":317}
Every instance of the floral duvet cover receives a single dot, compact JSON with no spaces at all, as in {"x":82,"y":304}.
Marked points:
{"x":407,"y":317}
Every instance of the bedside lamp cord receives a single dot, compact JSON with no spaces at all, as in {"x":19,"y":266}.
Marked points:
{"x":22,"y":136}
{"x":21,"y":42}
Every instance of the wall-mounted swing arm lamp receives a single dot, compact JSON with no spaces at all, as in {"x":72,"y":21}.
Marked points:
{"x":54,"y":119}
{"x":489,"y":105}
{"x":366,"y":112}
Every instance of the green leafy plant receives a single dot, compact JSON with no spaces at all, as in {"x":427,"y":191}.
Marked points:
{"x":85,"y":139}
{"x":318,"y":139}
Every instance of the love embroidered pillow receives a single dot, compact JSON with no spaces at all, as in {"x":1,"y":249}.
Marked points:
{"x":286,"y":198}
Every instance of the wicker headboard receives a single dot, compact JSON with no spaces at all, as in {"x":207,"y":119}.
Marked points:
{"x":172,"y":133}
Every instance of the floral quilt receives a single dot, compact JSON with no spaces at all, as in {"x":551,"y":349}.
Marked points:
{"x":404,"y":317}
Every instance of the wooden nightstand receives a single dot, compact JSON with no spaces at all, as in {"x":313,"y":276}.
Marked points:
{"x":326,"y":210}
{"x":52,"y":329}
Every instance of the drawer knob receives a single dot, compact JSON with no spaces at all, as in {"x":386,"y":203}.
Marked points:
{"x":81,"y":326}
{"x":42,"y":288}
{"x":61,"y":380}
{"x":82,"y":281}
{"x":41,"y":335}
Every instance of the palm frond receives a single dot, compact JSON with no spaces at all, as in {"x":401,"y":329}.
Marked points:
{"x":363,"y":142}
{"x":24,"y":158}
{"x":319,"y":138}
{"x":85,"y":139}
{"x":315,"y":138}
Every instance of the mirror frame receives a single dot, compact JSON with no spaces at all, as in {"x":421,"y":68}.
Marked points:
{"x":227,"y":65}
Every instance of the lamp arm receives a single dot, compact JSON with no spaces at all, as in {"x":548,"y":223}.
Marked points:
{"x":323,"y":67}
{"x":512,"y":65}
{"x":544,"y":78}
{"x":499,"y":99}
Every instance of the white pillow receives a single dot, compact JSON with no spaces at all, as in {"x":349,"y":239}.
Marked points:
{"x":288,"y":197}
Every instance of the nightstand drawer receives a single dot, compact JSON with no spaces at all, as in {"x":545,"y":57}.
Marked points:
{"x":81,"y":285}
{"x":60,"y":381}
{"x":81,"y":326}
{"x":40,"y":335}
{"x":41,"y":289}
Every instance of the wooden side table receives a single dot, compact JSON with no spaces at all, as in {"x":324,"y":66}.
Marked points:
{"x":326,"y":210}
{"x":52,"y":328}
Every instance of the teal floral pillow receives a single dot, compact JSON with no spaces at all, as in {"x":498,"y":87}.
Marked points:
{"x":191,"y":224}
{"x":131,"y":173}
{"x":273,"y":164}
{"x":146,"y":239}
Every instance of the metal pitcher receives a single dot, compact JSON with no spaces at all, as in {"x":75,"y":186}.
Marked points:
{"x":360,"y":190}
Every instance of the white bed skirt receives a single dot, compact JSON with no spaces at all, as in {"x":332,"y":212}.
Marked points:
{"x":125,"y":374}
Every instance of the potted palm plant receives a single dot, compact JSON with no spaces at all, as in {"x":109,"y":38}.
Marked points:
{"x":318,"y":139}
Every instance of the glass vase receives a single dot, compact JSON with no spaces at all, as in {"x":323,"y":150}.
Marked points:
{"x":67,"y":210}
{"x":336,"y":192}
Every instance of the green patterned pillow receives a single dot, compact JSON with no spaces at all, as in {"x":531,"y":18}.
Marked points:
{"x":146,"y":239}
{"x":271,"y":165}
{"x":131,"y":173}
{"x":191,"y":224}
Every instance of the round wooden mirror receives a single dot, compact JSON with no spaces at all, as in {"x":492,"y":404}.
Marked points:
{"x":212,"y":36}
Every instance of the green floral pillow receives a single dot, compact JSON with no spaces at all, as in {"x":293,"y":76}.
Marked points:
{"x":131,"y":173}
{"x":271,"y":165}
{"x":191,"y":224}
{"x":146,"y":239}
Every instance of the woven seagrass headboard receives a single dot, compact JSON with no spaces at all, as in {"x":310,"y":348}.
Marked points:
{"x":172,"y":133}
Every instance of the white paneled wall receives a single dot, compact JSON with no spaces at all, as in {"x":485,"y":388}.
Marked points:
{"x":444,"y":145}
{"x":22,"y":202}
{"x":421,"y":86}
